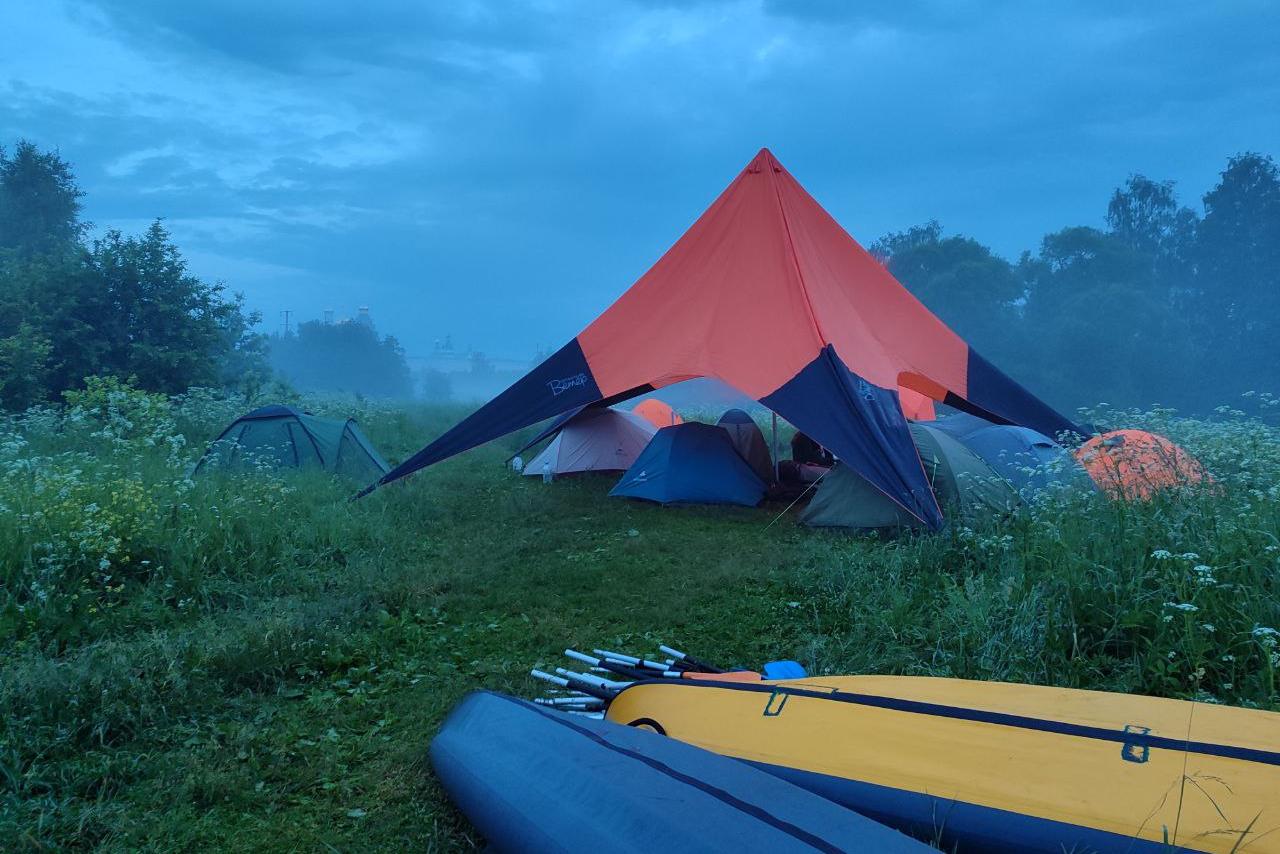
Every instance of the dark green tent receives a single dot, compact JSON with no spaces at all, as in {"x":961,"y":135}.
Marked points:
{"x":282,"y":437}
{"x":967,"y":489}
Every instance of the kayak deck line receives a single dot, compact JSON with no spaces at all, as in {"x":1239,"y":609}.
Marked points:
{"x":1134,"y":739}
{"x":719,"y":794}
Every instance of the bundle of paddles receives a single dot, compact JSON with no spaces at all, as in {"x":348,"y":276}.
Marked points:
{"x":626,"y":753}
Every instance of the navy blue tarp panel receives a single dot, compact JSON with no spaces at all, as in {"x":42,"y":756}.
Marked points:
{"x":997,"y":393}
{"x":863,"y":425}
{"x":561,"y":383}
{"x":536,"y":780}
{"x":691,"y":463}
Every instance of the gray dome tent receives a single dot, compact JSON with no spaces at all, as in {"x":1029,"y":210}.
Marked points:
{"x":749,"y":441}
{"x":282,"y":437}
{"x":967,"y":489}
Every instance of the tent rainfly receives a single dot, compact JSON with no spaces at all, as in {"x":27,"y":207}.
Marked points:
{"x":691,"y":463}
{"x":816,"y":329}
{"x":283,"y":437}
{"x":962,"y":481}
{"x":595,"y":440}
{"x":657,"y":412}
{"x":747,"y":438}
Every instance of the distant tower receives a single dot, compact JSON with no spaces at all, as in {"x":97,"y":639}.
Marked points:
{"x":328,"y":317}
{"x":363,"y":317}
{"x":284,"y":316}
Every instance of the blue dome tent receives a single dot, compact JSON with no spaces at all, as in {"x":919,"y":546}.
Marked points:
{"x":691,"y":463}
{"x":1029,"y":460}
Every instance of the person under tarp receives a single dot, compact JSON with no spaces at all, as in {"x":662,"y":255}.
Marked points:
{"x":820,"y":333}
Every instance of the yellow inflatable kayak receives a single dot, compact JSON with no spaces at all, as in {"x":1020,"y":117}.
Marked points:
{"x":995,"y":766}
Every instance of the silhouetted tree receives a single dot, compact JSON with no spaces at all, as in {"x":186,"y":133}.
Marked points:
{"x":123,"y":306}
{"x":347,"y":357}
{"x":1238,"y":292}
{"x":39,"y":202}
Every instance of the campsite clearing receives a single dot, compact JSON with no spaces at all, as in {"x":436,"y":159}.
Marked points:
{"x":262,"y":664}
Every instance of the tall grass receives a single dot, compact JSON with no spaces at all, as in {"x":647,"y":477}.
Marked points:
{"x":253,"y":661}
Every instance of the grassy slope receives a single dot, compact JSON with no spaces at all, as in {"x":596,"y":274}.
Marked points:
{"x":272,"y":679}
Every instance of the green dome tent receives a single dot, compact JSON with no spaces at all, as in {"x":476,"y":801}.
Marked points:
{"x":282,"y":437}
{"x":967,"y":489}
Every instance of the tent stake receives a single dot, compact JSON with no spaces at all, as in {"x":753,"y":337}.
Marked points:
{"x":798,"y":497}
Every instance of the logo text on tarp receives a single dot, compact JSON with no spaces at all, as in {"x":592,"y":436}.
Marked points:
{"x":563,"y":385}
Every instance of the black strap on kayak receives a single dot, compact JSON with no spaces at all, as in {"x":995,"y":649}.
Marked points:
{"x":1131,"y":738}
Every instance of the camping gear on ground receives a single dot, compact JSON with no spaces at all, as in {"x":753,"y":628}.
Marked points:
{"x":806,"y":452}
{"x":536,"y":780}
{"x":691,"y":463}
{"x":594,"y":440}
{"x":1031,"y":461}
{"x":984,"y":766}
{"x":590,"y":692}
{"x":969,"y":489}
{"x":749,"y":440}
{"x":657,"y":413}
{"x":766,"y":292}
{"x":1132,"y":464}
{"x":280,"y":437}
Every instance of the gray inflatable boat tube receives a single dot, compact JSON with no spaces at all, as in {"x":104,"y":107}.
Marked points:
{"x":538,"y":780}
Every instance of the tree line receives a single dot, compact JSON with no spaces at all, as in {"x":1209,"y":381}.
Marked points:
{"x":1163,"y":304}
{"x":126,"y":306}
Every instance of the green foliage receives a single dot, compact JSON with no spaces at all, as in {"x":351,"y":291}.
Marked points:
{"x":122,"y":305}
{"x":343,"y":357}
{"x":973,"y":288}
{"x":39,"y":202}
{"x":1161,"y":306}
{"x":252,"y":661}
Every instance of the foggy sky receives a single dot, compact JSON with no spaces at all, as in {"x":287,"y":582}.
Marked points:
{"x":502,"y":171}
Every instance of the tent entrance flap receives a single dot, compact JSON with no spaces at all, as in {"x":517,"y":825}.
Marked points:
{"x":866,"y":429}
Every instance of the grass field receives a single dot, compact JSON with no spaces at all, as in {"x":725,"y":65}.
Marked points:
{"x":254,"y":662}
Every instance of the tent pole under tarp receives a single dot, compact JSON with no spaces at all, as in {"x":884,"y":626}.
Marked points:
{"x":777,"y":475}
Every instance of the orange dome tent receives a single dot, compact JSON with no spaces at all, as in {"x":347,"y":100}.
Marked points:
{"x":1137,"y":464}
{"x":657,"y":413}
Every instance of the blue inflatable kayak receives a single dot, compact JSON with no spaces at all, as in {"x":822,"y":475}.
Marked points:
{"x":538,"y":780}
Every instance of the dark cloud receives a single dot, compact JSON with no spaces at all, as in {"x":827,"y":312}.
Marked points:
{"x":501,"y":171}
